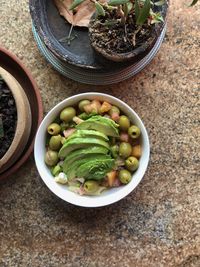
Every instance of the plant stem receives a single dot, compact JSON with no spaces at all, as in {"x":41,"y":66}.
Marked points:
{"x":134,"y":35}
{"x":121,"y":13}
{"x":69,"y":38}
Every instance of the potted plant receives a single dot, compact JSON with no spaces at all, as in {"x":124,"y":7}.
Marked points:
{"x":119,"y":30}
{"x":15,"y":120}
{"x":125,"y":29}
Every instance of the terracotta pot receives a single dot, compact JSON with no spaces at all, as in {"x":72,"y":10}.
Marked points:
{"x":16,"y":68}
{"x":107,"y":57}
{"x":23,"y":126}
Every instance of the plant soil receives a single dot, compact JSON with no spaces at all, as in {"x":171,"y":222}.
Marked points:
{"x":8,"y":114}
{"x":106,"y":34}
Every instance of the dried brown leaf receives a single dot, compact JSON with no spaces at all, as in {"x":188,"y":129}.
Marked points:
{"x":83,"y":12}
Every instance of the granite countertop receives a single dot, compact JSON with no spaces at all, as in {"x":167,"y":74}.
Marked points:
{"x":159,"y":223}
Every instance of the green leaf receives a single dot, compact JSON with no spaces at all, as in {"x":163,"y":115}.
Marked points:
{"x":156,"y":18}
{"x":109,"y":23}
{"x":143,"y":12}
{"x":127,"y":8}
{"x":117,"y":2}
{"x":99,"y":9}
{"x":193,"y":2}
{"x":159,"y":3}
{"x":1,"y":128}
{"x":75,"y":4}
{"x":137,"y":9}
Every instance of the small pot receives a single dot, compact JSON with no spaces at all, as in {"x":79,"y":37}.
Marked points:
{"x":106,"y":56}
{"x":24,"y":122}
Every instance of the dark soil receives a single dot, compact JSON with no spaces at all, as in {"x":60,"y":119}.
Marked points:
{"x":118,"y":37}
{"x":8,"y":115}
{"x":111,"y":37}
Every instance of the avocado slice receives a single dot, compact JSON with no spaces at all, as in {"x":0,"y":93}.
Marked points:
{"x":82,"y":153}
{"x":72,"y":170}
{"x":101,"y":124}
{"x":77,"y":143}
{"x":88,"y":133}
{"x":95,"y":169}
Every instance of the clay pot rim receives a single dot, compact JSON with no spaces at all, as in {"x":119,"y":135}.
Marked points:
{"x":28,"y":152}
{"x":23,"y":121}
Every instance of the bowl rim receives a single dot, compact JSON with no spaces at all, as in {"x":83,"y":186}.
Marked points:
{"x":73,"y":198}
{"x":28,"y":152}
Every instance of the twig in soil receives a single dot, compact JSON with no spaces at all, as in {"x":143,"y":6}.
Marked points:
{"x":134,"y":36}
{"x":125,"y":32}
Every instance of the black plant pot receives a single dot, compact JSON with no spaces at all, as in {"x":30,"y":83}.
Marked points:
{"x":110,"y":57}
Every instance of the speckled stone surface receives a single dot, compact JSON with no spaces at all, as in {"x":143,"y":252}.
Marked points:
{"x":159,"y":223}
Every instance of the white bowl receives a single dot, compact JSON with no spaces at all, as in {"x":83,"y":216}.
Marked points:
{"x":109,"y":196}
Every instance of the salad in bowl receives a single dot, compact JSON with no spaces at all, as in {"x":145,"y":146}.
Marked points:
{"x":94,"y":147}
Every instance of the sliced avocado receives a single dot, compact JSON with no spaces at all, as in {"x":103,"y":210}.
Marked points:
{"x":77,"y":143}
{"x":101,"y":124}
{"x":105,"y":120}
{"x":82,"y":153}
{"x":95,"y":169}
{"x":88,"y":133}
{"x":72,"y":170}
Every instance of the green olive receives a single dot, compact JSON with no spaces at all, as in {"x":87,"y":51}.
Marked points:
{"x":51,"y":158}
{"x":125,"y":150}
{"x":91,"y":186}
{"x":124,"y":123}
{"x":82,"y":103}
{"x":67,"y":114}
{"x":132,"y":164}
{"x":125,"y":176}
{"x":55,"y":142}
{"x":114,"y":109}
{"x":54,"y":129}
{"x":114,"y":151}
{"x":134,"y":131}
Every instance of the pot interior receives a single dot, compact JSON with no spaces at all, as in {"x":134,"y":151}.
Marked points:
{"x":52,"y":27}
{"x":8,"y":117}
